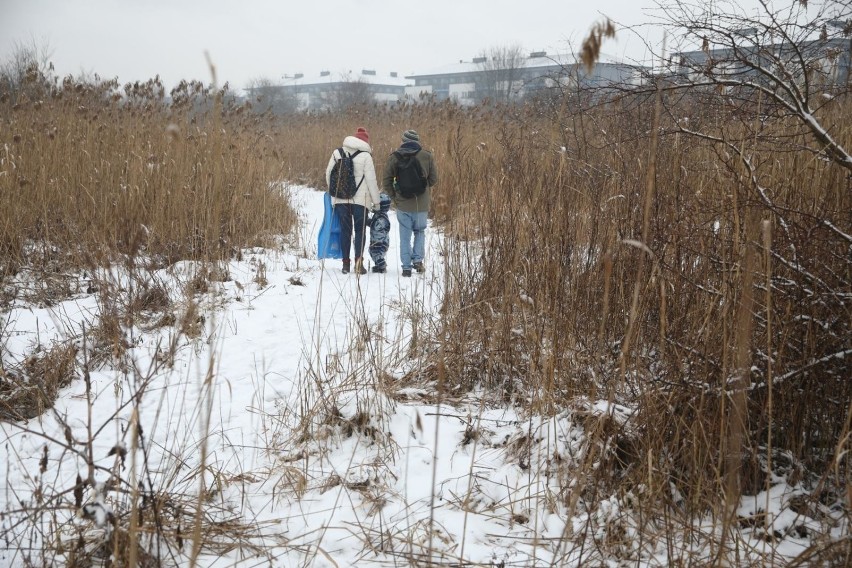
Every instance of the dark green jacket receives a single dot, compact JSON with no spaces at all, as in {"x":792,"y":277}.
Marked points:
{"x":418,"y":203}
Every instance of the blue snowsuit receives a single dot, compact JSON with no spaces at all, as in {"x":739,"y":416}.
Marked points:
{"x":380,"y":233}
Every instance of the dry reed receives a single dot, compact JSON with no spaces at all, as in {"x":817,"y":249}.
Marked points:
{"x":737,"y":365}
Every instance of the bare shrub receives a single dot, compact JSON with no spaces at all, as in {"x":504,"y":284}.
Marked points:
{"x":30,"y":388}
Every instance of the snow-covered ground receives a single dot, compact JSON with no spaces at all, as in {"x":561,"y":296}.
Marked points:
{"x":290,"y":402}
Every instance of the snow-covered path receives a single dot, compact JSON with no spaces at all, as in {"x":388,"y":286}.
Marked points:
{"x":274,"y":358}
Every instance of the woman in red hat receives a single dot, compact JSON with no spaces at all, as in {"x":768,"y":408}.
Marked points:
{"x":352,"y":212}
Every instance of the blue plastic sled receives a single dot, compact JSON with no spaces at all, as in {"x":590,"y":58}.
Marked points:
{"x":328,"y":242}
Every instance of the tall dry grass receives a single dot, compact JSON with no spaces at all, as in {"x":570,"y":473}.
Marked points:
{"x":739,"y":329}
{"x":555,"y":197}
{"x":91,"y":171}
{"x":94,"y":174}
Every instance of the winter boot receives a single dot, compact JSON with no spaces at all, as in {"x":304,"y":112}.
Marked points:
{"x":418,"y":266}
{"x":406,"y":272}
{"x":345,"y":266}
{"x":359,"y":266}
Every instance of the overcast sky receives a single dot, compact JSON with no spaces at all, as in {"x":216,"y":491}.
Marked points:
{"x":138,"y":39}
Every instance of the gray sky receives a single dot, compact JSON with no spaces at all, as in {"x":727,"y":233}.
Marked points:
{"x":138,"y":39}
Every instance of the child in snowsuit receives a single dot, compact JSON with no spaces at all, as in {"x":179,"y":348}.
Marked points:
{"x":380,"y":234}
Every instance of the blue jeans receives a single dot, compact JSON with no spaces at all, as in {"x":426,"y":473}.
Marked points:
{"x":350,"y":215}
{"x":411,"y":223}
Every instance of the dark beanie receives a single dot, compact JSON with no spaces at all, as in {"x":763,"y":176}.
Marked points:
{"x":410,"y":136}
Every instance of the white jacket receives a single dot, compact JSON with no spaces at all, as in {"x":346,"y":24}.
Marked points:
{"x":368,"y":192}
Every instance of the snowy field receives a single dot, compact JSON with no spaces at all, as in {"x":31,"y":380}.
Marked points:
{"x":293,"y":421}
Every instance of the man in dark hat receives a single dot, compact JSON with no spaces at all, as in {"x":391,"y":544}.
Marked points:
{"x":410,"y":174}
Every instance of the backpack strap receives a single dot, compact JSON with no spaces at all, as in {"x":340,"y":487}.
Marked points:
{"x":352,"y":155}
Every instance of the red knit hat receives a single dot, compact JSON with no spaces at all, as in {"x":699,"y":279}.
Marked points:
{"x":362,"y":134}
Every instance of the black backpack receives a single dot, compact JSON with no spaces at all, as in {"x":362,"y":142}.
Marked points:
{"x":341,"y":183}
{"x":410,"y":179}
